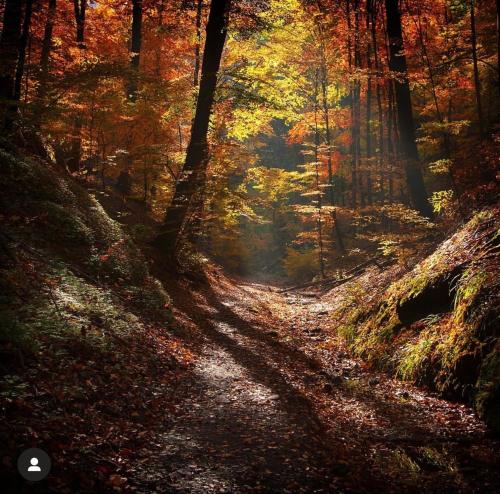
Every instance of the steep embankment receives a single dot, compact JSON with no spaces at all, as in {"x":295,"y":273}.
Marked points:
{"x":438,"y":324}
{"x":88,"y":360}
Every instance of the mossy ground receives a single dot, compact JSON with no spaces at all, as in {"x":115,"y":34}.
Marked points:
{"x":51,"y":221}
{"x":438,"y":324}
{"x":86,"y":332}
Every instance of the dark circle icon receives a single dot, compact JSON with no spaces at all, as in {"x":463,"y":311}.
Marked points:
{"x":34,"y":464}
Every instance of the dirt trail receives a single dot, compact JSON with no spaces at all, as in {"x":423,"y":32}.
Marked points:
{"x":274,"y":405}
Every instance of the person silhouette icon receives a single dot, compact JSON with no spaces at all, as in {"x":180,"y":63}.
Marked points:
{"x":34,"y":465}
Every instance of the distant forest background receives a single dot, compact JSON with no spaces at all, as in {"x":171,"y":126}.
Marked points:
{"x":333,"y":121}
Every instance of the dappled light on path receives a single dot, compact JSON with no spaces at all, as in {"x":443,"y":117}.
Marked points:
{"x":268,"y":410}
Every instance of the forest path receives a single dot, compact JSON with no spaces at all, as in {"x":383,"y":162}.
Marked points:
{"x":274,"y":405}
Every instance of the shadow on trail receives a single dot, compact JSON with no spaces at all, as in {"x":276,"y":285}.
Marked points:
{"x":402,"y":413}
{"x":293,"y":401}
{"x":284,"y":441}
{"x":399,"y":426}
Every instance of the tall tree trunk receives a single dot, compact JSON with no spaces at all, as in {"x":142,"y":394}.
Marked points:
{"x":369,"y":92}
{"x":195,"y":219}
{"x":477,"y":81}
{"x":392,"y":134}
{"x":406,"y":124}
{"x":197,"y":151}
{"x":352,"y":105}
{"x":392,"y":141}
{"x":135,"y":49}
{"x":335,"y":224}
{"x":391,"y":154}
{"x":319,"y":199}
{"x":357,"y":179}
{"x":380,"y":113}
{"x":197,"y":48}
{"x":9,"y":54}
{"x":23,"y":44}
{"x":27,"y":73}
{"x":427,"y":62}
{"x":45,"y":59}
{"x":80,"y":7}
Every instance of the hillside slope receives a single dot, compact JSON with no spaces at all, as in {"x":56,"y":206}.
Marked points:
{"x":88,"y":356}
{"x":438,"y":324}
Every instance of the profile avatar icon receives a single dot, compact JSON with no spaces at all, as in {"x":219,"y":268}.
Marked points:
{"x":34,"y":465}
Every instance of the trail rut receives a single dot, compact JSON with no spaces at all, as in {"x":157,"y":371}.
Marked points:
{"x":273,"y":404}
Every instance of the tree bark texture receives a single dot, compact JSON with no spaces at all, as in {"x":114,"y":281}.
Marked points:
{"x":9,"y":53}
{"x":197,"y":150}
{"x":406,"y":124}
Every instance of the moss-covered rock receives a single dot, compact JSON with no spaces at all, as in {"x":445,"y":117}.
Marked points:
{"x":438,"y":325}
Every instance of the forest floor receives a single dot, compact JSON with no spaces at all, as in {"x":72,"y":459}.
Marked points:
{"x":274,"y":404}
{"x":245,"y":389}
